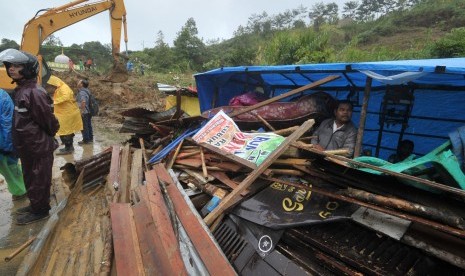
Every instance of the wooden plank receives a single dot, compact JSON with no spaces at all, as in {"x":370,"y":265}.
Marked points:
{"x":221,"y":176}
{"x":214,"y":260}
{"x":187,"y":153}
{"x":230,"y":199}
{"x":162,"y":224}
{"x":226,"y":166}
{"x":137,"y":171}
{"x":173,"y":157}
{"x":141,"y":191}
{"x":113,"y":175}
{"x":292,"y":161}
{"x":126,"y":247}
{"x":213,"y":157}
{"x":189,"y":148}
{"x":124,"y":184}
{"x":105,"y":263}
{"x":154,"y":259}
{"x":204,"y":166}
{"x":197,"y":176}
{"x":286,"y":131}
{"x":144,"y":153}
{"x":285,"y":95}
{"x":193,"y":163}
{"x":210,"y":168}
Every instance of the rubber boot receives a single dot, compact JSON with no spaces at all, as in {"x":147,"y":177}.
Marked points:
{"x":28,"y":218}
{"x":66,"y":150}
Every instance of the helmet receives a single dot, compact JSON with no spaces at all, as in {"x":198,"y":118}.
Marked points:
{"x":13,"y":56}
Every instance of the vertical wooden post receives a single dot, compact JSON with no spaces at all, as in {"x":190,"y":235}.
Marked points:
{"x":363,"y":116}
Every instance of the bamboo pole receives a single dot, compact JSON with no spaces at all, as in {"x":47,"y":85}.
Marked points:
{"x":287,"y":172}
{"x":264,"y":121}
{"x":411,"y":207}
{"x":21,"y":248}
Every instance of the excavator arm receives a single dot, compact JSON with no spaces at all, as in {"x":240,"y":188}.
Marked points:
{"x":48,"y":21}
{"x":42,"y":25}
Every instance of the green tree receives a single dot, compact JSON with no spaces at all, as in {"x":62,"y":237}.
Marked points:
{"x":241,"y":54}
{"x":160,"y":58}
{"x":364,"y":12}
{"x":260,"y":24}
{"x":241,"y":30}
{"x":332,"y":13}
{"x":299,"y":16}
{"x":321,"y":13}
{"x":188,"y":47}
{"x":100,"y":54}
{"x":350,"y":10}
{"x":52,"y":40}
{"x":7,"y":44}
{"x":317,"y":15}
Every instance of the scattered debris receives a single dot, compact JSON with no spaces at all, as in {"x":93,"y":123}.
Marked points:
{"x":175,"y":204}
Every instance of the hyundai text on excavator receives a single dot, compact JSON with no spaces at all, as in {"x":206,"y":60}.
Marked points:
{"x":48,"y":21}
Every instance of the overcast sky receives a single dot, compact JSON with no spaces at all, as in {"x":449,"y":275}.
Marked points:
{"x":214,"y":19}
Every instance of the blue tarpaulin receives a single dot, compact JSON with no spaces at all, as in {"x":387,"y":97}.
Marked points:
{"x":438,"y":87}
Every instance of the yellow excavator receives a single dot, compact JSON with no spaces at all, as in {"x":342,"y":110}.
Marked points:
{"x":48,"y":21}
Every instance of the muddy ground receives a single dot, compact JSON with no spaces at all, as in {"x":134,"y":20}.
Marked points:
{"x":113,"y":98}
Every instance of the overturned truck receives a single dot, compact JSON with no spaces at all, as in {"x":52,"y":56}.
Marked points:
{"x":180,"y":202}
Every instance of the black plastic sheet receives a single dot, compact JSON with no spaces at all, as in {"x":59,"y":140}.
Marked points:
{"x":281,"y":206}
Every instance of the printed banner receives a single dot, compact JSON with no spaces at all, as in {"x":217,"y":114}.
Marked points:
{"x":223,"y":133}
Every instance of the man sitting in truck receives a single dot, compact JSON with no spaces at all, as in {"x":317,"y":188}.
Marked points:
{"x":338,"y":132}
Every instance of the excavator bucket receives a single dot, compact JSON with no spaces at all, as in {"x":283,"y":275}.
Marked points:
{"x":118,"y":73}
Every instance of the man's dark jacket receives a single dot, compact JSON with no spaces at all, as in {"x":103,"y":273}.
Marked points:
{"x":34,"y":125}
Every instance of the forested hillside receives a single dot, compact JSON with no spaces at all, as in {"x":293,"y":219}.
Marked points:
{"x":365,"y":30}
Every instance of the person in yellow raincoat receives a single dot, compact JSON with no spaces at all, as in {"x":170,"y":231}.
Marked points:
{"x":66,"y":111}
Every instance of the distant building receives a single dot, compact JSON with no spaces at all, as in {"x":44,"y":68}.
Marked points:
{"x":61,"y":63}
